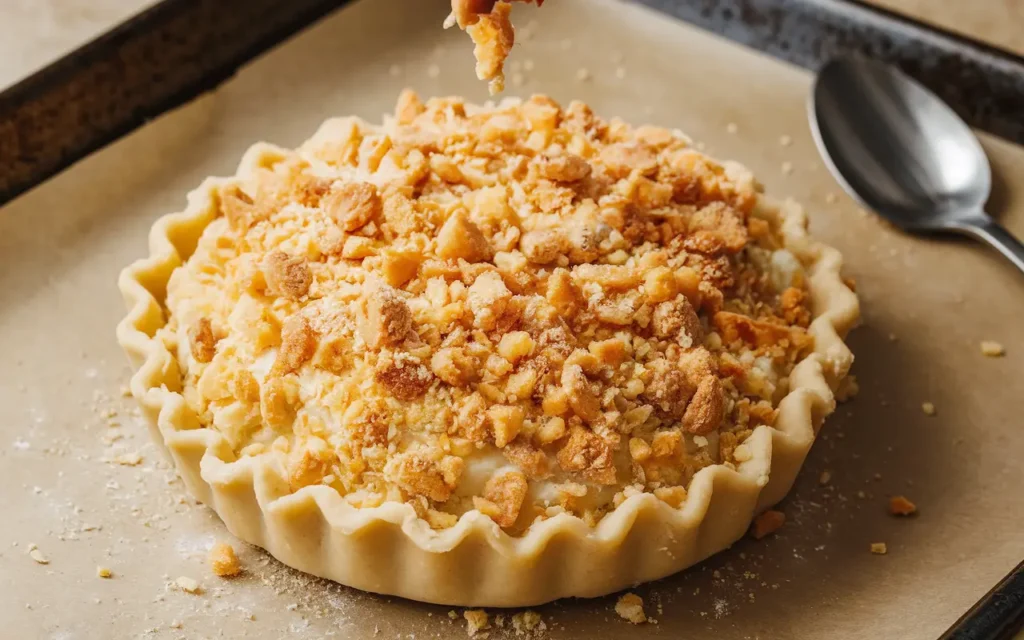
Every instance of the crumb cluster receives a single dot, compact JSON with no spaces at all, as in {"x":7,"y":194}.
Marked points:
{"x":489,"y":24}
{"x":522,"y":310}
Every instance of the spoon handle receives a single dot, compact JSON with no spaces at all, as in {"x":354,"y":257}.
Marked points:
{"x":1002,"y":240}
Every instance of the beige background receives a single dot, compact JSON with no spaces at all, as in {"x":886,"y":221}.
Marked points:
{"x":927,"y":304}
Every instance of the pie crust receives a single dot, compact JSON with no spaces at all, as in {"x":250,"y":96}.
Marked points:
{"x":389,"y":549}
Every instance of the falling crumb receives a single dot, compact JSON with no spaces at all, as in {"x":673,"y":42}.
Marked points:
{"x":528,"y":65}
{"x":433,"y":71}
{"x":879,"y":548}
{"x":787,"y":167}
{"x":732,"y":127}
{"x":128,"y":459}
{"x":518,"y":79}
{"x":992,"y":349}
{"x":583,"y":74}
{"x":620,"y":72}
{"x":831,"y":198}
{"x":223,"y":561}
{"x":104,"y":572}
{"x":900,"y":506}
{"x":394,"y":71}
{"x":631,"y":607}
{"x":825,"y":477}
{"x":188,"y":585}
{"x":767,"y":523}
{"x":785,"y":140}
{"x":928,"y":408}
{"x":476,"y":620}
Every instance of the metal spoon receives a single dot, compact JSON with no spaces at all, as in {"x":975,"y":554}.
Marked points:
{"x":902,"y":152}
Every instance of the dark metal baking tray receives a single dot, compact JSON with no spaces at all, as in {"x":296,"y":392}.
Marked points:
{"x":179,"y":49}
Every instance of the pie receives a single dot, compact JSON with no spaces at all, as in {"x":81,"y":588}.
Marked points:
{"x":487,"y":355}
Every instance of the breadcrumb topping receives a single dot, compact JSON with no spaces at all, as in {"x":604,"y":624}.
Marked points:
{"x":521,"y":309}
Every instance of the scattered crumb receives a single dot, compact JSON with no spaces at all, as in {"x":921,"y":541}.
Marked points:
{"x":620,"y":72}
{"x":452,"y":615}
{"x":433,"y":71}
{"x":928,"y":408}
{"x":104,"y":572}
{"x":631,"y":607}
{"x":583,"y":74}
{"x":900,"y":506}
{"x":879,"y":548}
{"x":128,"y":459}
{"x":395,"y":70}
{"x":831,"y":198}
{"x":526,"y":622}
{"x":188,"y":585}
{"x":223,"y":561}
{"x":37,"y":555}
{"x":732,"y":127}
{"x":992,"y":349}
{"x":785,"y":140}
{"x":787,"y":167}
{"x":767,"y":523}
{"x":825,"y":477}
{"x":476,"y":620}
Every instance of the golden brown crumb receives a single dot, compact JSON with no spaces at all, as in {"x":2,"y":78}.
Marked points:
{"x":992,"y":349}
{"x":223,"y":561}
{"x":104,"y":572}
{"x":419,"y":474}
{"x":493,"y":36}
{"x":385,"y":319}
{"x":631,"y":607}
{"x":286,"y":276}
{"x":900,"y":506}
{"x":928,"y":408}
{"x":476,"y":620}
{"x":298,"y":343}
{"x":132,"y":459}
{"x":202,"y":341}
{"x":767,"y":523}
{"x":459,"y":237}
{"x":526,"y":622}
{"x":353,"y":205}
{"x":825,"y":477}
{"x":879,"y":548}
{"x":507,"y":492}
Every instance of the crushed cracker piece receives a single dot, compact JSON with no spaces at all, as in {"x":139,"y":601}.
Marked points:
{"x":928,"y":408}
{"x":631,"y":607}
{"x":37,"y":555}
{"x":188,"y":585}
{"x":223,"y":561}
{"x":128,"y":459}
{"x":879,"y":548}
{"x":767,"y":523}
{"x":104,"y":572}
{"x":901,"y":506}
{"x":476,"y":621}
{"x":992,"y":349}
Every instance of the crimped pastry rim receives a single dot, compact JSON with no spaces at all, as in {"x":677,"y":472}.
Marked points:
{"x":388,"y":549}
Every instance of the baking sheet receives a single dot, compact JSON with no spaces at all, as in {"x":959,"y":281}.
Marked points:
{"x":927,"y":305}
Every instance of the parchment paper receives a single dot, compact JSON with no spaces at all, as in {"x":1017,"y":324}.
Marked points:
{"x":66,"y":480}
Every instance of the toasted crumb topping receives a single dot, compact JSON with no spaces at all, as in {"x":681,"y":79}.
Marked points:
{"x":522,"y":310}
{"x":631,"y":607}
{"x":223,"y":561}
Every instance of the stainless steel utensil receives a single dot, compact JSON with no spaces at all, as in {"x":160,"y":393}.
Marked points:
{"x":903,"y":153}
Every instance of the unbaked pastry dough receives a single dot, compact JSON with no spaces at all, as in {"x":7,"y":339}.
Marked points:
{"x":487,"y":356}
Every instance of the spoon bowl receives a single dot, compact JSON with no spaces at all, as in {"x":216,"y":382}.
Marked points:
{"x":903,"y":152}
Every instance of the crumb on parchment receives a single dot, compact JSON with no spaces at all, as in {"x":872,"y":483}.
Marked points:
{"x":901,"y":506}
{"x":767,"y":523}
{"x":631,"y":607}
{"x":476,"y":621}
{"x":223,"y":561}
